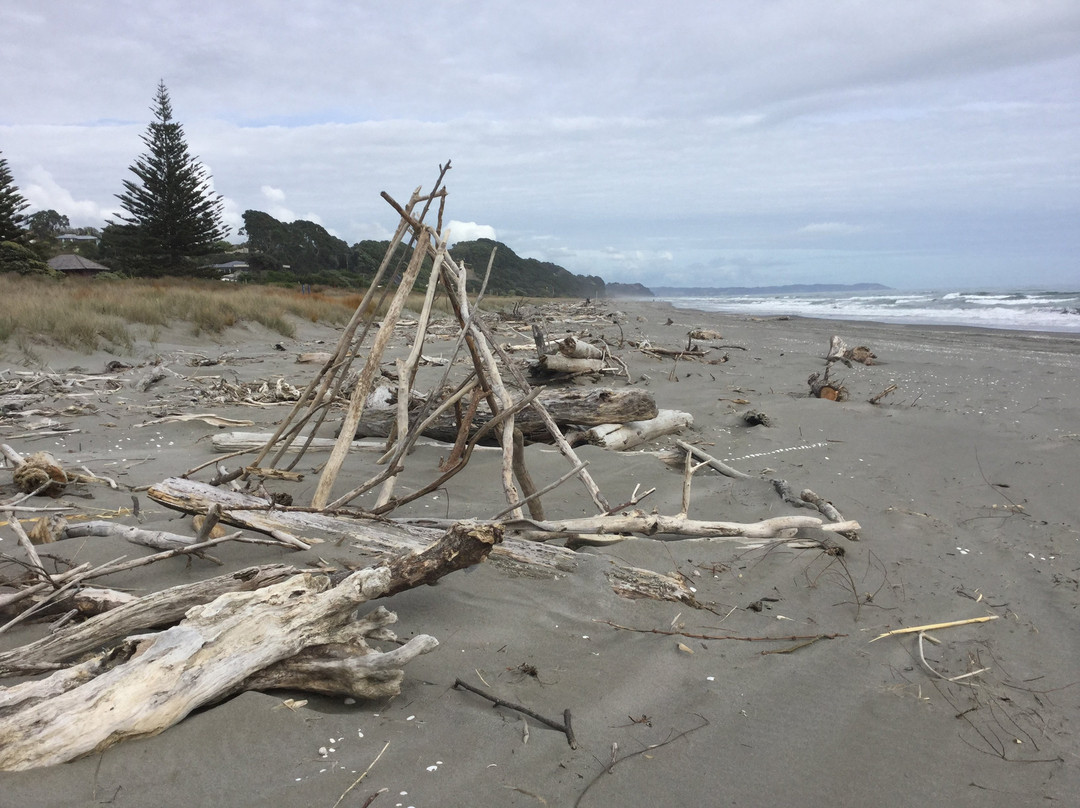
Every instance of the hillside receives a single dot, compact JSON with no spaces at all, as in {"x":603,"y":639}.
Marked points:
{"x":513,"y":275}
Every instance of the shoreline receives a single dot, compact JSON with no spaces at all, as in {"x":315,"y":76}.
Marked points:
{"x":962,"y":481}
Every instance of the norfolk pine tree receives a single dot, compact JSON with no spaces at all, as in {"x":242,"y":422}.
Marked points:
{"x":172,"y":213}
{"x":12,"y":205}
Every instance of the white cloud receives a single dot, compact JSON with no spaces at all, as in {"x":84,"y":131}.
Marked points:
{"x":272,"y":194}
{"x":469,"y":231}
{"x":44,"y":193}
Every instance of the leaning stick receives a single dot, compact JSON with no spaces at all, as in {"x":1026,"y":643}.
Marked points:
{"x":367,"y":377}
{"x":407,"y":369}
{"x":552,"y":427}
{"x":28,"y":546}
{"x":537,"y":494}
{"x":935,"y":626}
{"x":712,"y":461}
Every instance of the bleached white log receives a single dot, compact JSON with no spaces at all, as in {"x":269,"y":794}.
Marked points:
{"x":633,"y":433}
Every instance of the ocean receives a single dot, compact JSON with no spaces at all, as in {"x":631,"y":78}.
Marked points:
{"x":1021,"y":310}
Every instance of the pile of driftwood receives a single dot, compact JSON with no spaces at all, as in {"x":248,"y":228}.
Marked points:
{"x":154,"y":659}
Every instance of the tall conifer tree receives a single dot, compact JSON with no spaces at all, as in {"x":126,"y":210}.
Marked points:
{"x":172,"y":212}
{"x":12,"y":205}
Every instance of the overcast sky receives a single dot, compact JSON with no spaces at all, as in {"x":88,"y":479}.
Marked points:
{"x":915,"y":143}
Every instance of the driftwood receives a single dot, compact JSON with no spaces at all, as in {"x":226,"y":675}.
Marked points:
{"x":375,"y":538}
{"x":584,"y":407}
{"x":574,"y":348}
{"x":614,"y":528}
{"x":821,"y":386}
{"x":158,"y":539}
{"x":241,"y":441}
{"x":157,"y":609}
{"x":878,"y":398}
{"x":299,"y":633}
{"x":557,"y":364}
{"x":711,"y":461}
{"x":633,"y":433}
{"x":694,"y":352}
{"x":520,"y":553}
{"x":840,"y":352}
{"x":701,"y":334}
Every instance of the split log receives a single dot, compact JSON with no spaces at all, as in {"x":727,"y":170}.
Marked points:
{"x":633,"y":433}
{"x":223,"y":647}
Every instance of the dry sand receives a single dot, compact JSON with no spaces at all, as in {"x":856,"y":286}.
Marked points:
{"x":964,"y":482}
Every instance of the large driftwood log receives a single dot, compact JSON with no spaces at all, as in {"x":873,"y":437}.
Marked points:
{"x":574,"y":348}
{"x":557,"y":364}
{"x":270,"y":637}
{"x":616,"y":527}
{"x":376,"y":538}
{"x":577,"y":407}
{"x":379,"y":539}
{"x":240,"y":441}
{"x":633,"y":433}
{"x":157,"y":609}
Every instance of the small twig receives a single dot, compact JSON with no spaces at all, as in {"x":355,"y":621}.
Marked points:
{"x":565,"y":727}
{"x":954,"y":679}
{"x":635,"y":498}
{"x":793,"y":648}
{"x":935,"y":626}
{"x":786,"y":638}
{"x":611,"y":766}
{"x":356,"y":782}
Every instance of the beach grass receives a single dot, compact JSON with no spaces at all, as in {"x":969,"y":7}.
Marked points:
{"x":86,"y":314}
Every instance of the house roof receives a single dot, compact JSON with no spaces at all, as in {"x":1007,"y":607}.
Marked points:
{"x":75,"y":263}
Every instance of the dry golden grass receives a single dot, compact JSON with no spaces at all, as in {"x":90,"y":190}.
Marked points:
{"x":84,"y":314}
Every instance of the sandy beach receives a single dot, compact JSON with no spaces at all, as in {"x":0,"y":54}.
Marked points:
{"x":963,"y":480}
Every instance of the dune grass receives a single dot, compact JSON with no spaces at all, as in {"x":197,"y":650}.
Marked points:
{"x":86,"y":314}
